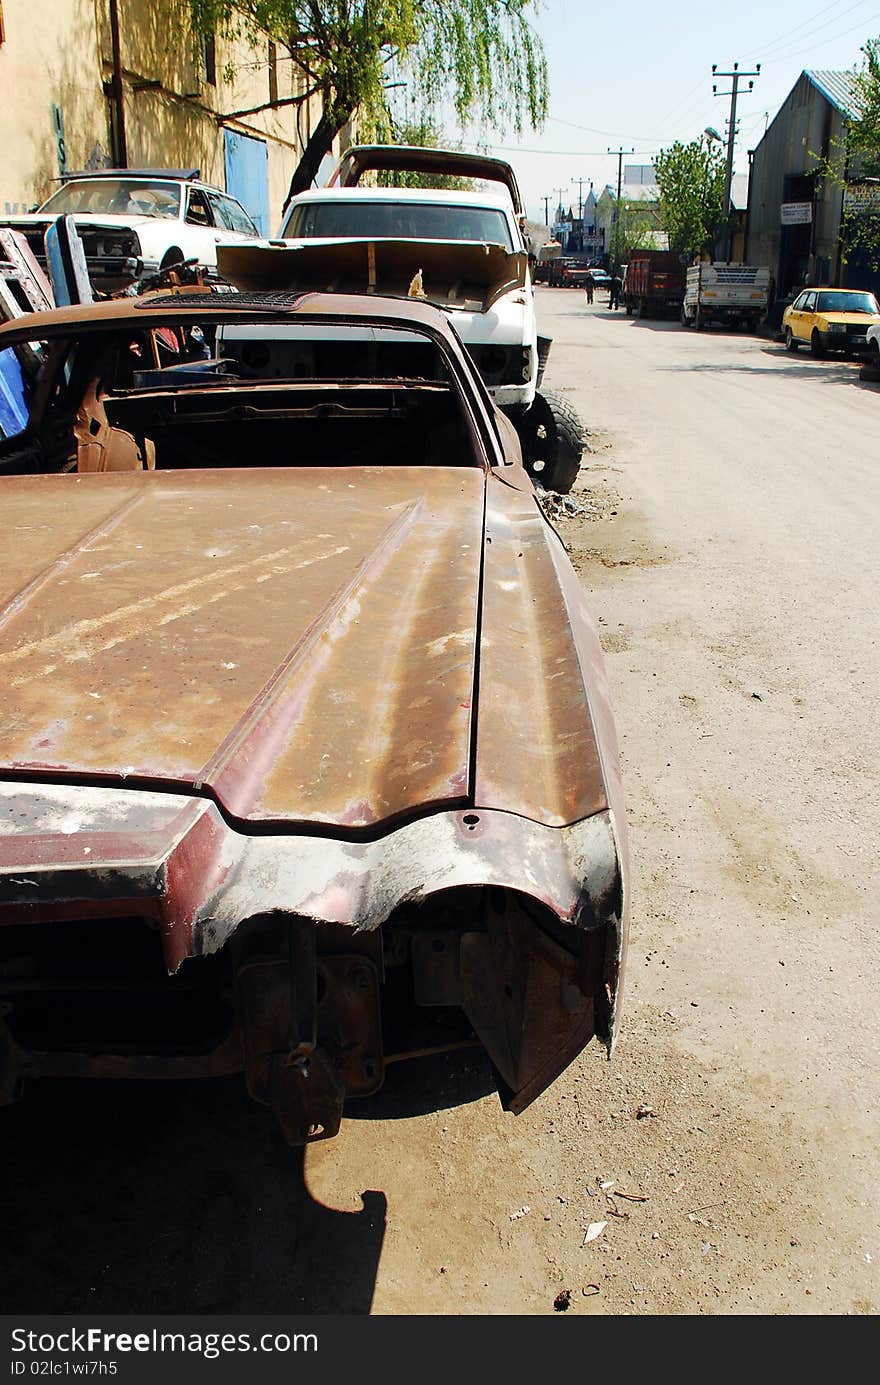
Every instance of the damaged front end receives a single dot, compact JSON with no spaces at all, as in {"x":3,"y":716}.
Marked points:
{"x":141,"y":936}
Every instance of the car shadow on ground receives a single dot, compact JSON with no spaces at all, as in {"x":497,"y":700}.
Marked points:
{"x":777,"y":361}
{"x":183,"y":1198}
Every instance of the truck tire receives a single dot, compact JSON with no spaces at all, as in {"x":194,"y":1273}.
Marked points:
{"x":698,"y":321}
{"x":552,"y":437}
{"x":683,"y":317}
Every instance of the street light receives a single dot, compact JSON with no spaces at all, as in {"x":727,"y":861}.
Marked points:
{"x":713,"y":134}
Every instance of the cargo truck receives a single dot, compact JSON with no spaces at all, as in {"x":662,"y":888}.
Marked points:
{"x":729,"y":293}
{"x":654,"y":283}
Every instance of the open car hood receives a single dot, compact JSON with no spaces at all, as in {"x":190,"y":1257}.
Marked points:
{"x":463,"y":274}
{"x":299,"y":644}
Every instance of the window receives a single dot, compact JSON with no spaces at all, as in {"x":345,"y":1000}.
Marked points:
{"x":231,"y":215}
{"x":809,"y":303}
{"x":209,"y":59}
{"x":273,"y":72}
{"x":197,"y":213}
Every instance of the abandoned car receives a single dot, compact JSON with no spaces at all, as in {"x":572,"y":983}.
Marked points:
{"x":307,"y":762}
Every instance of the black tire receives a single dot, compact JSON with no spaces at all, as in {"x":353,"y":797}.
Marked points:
{"x":790,"y":343}
{"x":817,"y":350}
{"x":683,"y":318}
{"x":698,"y":321}
{"x":552,"y":437}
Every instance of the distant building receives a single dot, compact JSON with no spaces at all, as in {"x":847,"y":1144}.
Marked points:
{"x":794,"y":214}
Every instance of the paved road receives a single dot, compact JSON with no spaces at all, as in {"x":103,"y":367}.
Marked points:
{"x":730,"y":553}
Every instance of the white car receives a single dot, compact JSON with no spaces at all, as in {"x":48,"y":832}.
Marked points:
{"x":134,"y":222}
{"x":462,"y":250}
{"x":872,"y":340}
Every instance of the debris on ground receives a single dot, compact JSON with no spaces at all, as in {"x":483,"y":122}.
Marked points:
{"x":590,"y":1290}
{"x":644,"y":1111}
{"x":593,"y":1231}
{"x":557,"y":506}
{"x":520,"y":1212}
{"x":562,"y":1301}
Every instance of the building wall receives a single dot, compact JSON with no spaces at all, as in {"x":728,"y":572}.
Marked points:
{"x":47,"y":60}
{"x":783,"y":170}
{"x":58,"y":54}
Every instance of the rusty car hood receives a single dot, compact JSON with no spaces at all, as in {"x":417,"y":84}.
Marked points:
{"x":298,"y":644}
{"x":472,"y":274}
{"x":303,"y":646}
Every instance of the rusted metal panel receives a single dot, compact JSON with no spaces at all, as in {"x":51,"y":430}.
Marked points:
{"x":536,"y":750}
{"x":301,"y":642}
{"x":207,"y":876}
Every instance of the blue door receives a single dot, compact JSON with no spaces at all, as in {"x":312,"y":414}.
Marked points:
{"x":247,"y":176}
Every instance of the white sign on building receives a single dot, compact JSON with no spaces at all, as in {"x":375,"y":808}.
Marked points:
{"x":796,"y":213}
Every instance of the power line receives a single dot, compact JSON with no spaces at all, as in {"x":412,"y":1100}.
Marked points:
{"x":784,"y":42}
{"x":789,"y":57}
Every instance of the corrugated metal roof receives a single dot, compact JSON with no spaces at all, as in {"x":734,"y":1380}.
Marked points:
{"x":837,"y":87}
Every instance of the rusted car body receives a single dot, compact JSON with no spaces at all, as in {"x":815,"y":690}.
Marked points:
{"x":307,"y":762}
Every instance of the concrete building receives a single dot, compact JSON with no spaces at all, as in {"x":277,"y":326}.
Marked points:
{"x":160,"y":96}
{"x":794,"y":215}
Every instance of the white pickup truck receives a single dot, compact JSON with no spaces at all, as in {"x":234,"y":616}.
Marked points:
{"x":462,"y":250}
{"x":722,"y":292}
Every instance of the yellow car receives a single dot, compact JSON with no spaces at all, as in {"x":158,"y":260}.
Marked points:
{"x":830,"y":320}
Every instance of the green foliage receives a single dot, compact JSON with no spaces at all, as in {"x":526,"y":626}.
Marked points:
{"x":857,"y":160}
{"x":632,"y":229}
{"x":691,"y":182}
{"x":482,"y":56}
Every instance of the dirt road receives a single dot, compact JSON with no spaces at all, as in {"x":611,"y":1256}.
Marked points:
{"x":734,"y":572}
{"x":730,"y":554}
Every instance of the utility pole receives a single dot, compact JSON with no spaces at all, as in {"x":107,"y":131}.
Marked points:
{"x":546,"y":200}
{"x":620,"y":153}
{"x":736,"y":77}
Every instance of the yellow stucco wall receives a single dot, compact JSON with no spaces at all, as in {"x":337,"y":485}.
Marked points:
{"x":57,"y":53}
{"x":48,"y":58}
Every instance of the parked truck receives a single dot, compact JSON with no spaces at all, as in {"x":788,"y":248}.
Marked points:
{"x":729,"y":293}
{"x":654,"y":283}
{"x":548,"y":254}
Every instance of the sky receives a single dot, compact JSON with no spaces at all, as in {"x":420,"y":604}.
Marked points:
{"x":640,"y":77}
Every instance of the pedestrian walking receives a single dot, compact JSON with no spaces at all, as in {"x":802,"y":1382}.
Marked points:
{"x":588,"y":285}
{"x":614,"y":290}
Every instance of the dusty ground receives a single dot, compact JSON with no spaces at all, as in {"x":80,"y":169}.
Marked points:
{"x":730,"y":554}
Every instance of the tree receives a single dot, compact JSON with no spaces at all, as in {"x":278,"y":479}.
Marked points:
{"x":482,"y":55}
{"x":853,"y":165}
{"x":691,"y":182}
{"x":633,"y":226}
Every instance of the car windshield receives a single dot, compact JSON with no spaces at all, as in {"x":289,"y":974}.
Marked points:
{"x":847,"y":303}
{"x":398,"y":221}
{"x":117,"y":197}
